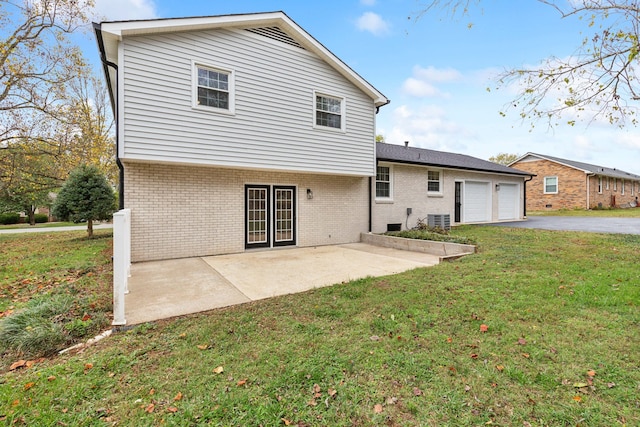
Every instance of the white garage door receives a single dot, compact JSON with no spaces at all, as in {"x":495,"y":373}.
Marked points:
{"x":477,"y":201}
{"x":508,"y":202}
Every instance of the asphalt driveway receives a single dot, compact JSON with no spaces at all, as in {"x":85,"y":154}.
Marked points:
{"x":574,"y":223}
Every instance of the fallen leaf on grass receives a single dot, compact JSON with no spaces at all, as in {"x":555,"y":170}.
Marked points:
{"x":332,"y":392}
{"x":611,"y":385}
{"x":150,"y":407}
{"x":591,"y":373}
{"x":525,"y":355}
{"x":580,"y":385}
{"x":417,"y":391}
{"x":522,"y":341}
{"x":377,"y":408}
{"x":27,"y":386}
{"x":178,"y":397}
{"x":172,"y":409}
{"x":391,"y":400}
{"x":203,"y":346}
{"x":218,"y":370}
{"x":51,"y":378}
{"x":241,"y":382}
{"x":577,"y":398}
{"x":500,"y":368}
{"x":449,"y":339}
{"x":312,"y":402}
{"x":285,"y":421}
{"x":474,"y":356}
{"x":86,"y":317}
{"x":152,"y":391}
{"x":467,"y":388}
{"x":484,"y":328}
{"x":88,"y":366}
{"x":374,"y":338}
{"x":19,"y":364}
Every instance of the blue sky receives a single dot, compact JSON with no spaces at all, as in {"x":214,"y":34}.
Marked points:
{"x":435,"y":69}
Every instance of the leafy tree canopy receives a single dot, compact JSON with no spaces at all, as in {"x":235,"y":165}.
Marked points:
{"x":598,"y":81}
{"x":504,"y":158}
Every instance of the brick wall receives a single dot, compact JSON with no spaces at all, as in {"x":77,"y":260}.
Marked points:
{"x":613,"y":195}
{"x":185,"y":211}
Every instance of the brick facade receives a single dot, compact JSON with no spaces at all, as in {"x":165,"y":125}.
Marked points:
{"x":576,"y":189}
{"x":186,"y":211}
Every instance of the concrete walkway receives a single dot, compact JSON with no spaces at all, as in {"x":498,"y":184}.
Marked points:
{"x":164,"y":289}
{"x":52,"y":229}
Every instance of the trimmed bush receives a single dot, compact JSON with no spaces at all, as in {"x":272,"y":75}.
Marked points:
{"x":41,"y":218}
{"x":9,"y":218}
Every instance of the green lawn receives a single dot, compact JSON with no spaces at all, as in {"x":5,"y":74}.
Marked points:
{"x":42,"y":225}
{"x":539,"y":328}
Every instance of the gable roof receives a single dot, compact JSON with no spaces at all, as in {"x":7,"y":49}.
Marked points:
{"x":585,"y":167}
{"x":277,"y":24}
{"x":442,"y":159}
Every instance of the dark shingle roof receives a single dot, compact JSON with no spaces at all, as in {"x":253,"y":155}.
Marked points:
{"x":586,"y":167}
{"x":423,"y":156}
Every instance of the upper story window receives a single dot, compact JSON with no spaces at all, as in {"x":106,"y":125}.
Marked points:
{"x":213,"y":88}
{"x":383,"y":182}
{"x":434,"y":182}
{"x":550,"y":185}
{"x":329,"y":112}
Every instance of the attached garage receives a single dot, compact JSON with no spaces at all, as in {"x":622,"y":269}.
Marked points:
{"x":508,"y":202}
{"x":477,"y":201}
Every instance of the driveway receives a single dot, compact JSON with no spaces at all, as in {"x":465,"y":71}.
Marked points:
{"x":164,"y":289}
{"x":574,"y":223}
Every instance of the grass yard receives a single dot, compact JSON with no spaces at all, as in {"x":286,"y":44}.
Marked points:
{"x":539,"y":328}
{"x":42,"y":225}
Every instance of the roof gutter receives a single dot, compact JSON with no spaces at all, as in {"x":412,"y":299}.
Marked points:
{"x":524,"y":208}
{"x":114,"y":106}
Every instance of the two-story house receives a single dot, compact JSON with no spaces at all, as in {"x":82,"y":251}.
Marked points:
{"x":237,"y":132}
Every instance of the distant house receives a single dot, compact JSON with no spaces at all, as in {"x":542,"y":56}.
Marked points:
{"x":237,"y":132}
{"x":414,"y":183}
{"x":567,"y":184}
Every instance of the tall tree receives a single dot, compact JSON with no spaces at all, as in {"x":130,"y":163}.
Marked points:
{"x":599,"y":80}
{"x":85,"y":196}
{"x":53,"y":114}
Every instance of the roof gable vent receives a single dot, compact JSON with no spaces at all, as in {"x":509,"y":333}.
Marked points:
{"x":277,"y":34}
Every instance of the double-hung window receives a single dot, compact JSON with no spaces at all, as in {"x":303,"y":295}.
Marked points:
{"x":329,"y":112}
{"x":622,"y":186}
{"x":550,"y":185}
{"x":599,"y":185}
{"x":383,"y":182}
{"x":213,"y":89}
{"x":434,"y":182}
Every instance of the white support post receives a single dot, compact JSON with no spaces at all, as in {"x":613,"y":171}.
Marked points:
{"x":121,"y":263}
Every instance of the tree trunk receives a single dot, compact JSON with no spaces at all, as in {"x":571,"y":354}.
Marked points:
{"x":90,"y":228}
{"x":31,"y":213}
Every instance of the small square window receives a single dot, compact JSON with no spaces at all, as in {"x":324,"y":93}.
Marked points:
{"x":329,"y":112}
{"x":551,"y":185}
{"x":213,"y":88}
{"x":434,"y":184}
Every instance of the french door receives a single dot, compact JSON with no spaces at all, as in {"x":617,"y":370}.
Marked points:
{"x":270,"y":216}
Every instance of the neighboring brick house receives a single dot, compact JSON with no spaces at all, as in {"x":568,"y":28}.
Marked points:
{"x":567,"y":184}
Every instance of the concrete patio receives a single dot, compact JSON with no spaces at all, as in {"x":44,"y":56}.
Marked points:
{"x":165,"y":289}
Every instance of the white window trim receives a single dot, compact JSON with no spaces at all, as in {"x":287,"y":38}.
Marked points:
{"x":194,"y":89}
{"x":441,"y":181}
{"x":384,"y":199}
{"x":544,"y":184}
{"x":607,"y":186}
{"x":615,"y":184}
{"x":622,"y":187}
{"x":343,"y":112}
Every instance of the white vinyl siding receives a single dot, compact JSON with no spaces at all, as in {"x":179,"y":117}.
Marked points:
{"x":272,"y":127}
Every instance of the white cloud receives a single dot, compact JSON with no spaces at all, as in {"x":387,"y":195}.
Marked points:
{"x":123,"y":10}
{"x":373,"y":23}
{"x":421,"y":83}
{"x":630,"y":140}
{"x":426,"y":127}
